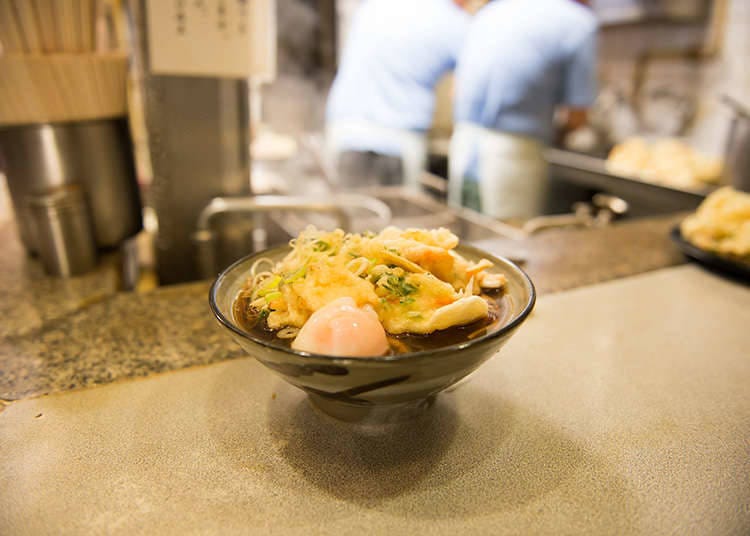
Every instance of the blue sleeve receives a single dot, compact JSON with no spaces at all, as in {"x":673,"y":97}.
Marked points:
{"x":455,"y":35}
{"x":469,"y":94}
{"x":471,"y":82}
{"x":579,"y":84}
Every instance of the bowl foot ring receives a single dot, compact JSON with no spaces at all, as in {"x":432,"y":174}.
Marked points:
{"x":371,"y":413}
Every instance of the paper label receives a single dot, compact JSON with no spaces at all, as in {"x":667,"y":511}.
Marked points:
{"x":199,"y":37}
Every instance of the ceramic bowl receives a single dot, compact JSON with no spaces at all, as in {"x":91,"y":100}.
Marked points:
{"x":356,"y":389}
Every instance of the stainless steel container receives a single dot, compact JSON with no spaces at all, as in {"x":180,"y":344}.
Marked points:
{"x":199,"y":145}
{"x":737,"y":152}
{"x":62,"y":227}
{"x":96,"y":155}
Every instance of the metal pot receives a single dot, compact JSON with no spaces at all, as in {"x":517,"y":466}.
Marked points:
{"x":95,"y":155}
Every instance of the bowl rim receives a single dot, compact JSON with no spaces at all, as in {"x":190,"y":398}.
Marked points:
{"x":432,"y":353}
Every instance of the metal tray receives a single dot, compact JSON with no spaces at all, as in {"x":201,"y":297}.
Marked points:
{"x":591,"y":172}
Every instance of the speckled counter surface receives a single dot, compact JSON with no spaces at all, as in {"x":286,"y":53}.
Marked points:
{"x":620,"y":408}
{"x":29,"y":299}
{"x":128,"y":335}
{"x":58,"y":335}
{"x":559,"y":260}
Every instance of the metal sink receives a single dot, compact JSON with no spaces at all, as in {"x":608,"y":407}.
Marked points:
{"x":414,"y":209}
{"x":249,"y":224}
{"x":408,"y":209}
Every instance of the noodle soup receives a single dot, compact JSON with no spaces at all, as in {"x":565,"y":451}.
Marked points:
{"x":499,"y":305}
{"x":395,"y":292}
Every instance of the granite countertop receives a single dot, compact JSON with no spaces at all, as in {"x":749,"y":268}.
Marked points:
{"x":31,"y":299}
{"x":562,"y":259}
{"x":60,"y":335}
{"x":600,"y":416}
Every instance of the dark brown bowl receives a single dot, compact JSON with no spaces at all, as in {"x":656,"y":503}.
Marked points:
{"x":358,"y":388}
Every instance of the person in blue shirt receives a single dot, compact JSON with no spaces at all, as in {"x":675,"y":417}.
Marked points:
{"x":521,"y":61}
{"x":381,"y":103}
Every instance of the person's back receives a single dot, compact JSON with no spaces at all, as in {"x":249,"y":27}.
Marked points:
{"x":396,"y":53}
{"x":521,"y":60}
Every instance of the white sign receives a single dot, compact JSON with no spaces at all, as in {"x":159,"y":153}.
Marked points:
{"x":199,"y":37}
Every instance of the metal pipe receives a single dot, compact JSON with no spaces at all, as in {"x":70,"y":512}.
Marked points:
{"x":267,"y":203}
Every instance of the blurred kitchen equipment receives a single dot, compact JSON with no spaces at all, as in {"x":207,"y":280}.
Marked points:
{"x":63,"y":108}
{"x":95,"y":155}
{"x":601,"y":211}
{"x":669,"y":109}
{"x":634,"y":11}
{"x":658,"y":110}
{"x":195,"y":69}
{"x":737,"y":151}
{"x":609,"y":207}
{"x":582,"y":215}
{"x":198,"y":140}
{"x":34,"y":26}
{"x":107,"y":170}
{"x":612,"y":117}
{"x":644,"y":198}
{"x":666,"y":111}
{"x":64,"y":236}
{"x":212,"y":259}
{"x":62,"y":87}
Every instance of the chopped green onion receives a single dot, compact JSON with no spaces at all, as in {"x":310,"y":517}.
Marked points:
{"x":321,"y":245}
{"x":273,"y":296}
{"x":269,"y":286}
{"x":398,"y":286}
{"x":297,"y":274}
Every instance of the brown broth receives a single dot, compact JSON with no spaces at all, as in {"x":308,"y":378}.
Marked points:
{"x":499,"y":315}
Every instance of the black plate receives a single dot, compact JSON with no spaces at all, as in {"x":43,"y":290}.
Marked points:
{"x":711,"y":260}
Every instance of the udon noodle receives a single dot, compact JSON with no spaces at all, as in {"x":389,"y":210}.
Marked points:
{"x":421,"y":291}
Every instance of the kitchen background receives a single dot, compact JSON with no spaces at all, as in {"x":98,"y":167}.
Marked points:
{"x":687,"y":54}
{"x":665,"y":68}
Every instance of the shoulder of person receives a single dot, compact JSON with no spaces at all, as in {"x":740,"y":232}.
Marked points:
{"x":582,"y":22}
{"x":584,"y":16}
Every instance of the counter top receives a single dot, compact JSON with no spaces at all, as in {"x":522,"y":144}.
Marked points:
{"x":75,"y":333}
{"x":29,"y":299}
{"x":563,"y":259}
{"x":60,"y":335}
{"x":618,"y":408}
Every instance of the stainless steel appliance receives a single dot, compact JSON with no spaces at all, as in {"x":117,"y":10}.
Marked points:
{"x":95,"y":155}
{"x":65,"y":236}
{"x":198,"y":129}
{"x":199,"y":139}
{"x":644,"y":198}
{"x":737,"y":151}
{"x":199,"y":142}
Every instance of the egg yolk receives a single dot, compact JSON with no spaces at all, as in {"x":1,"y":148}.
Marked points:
{"x":343,"y":329}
